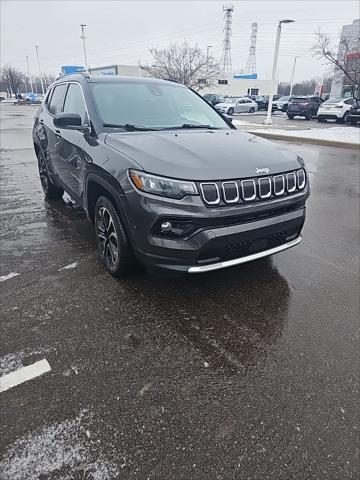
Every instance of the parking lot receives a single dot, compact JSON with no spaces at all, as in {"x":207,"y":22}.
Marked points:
{"x":250,"y":373}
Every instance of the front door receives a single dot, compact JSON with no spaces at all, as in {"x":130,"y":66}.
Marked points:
{"x":239,"y":107}
{"x":70,"y":145}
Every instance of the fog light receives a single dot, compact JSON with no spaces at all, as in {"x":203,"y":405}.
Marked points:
{"x":166,"y":226}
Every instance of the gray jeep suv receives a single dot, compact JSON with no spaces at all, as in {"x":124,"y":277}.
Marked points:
{"x":165,"y":178}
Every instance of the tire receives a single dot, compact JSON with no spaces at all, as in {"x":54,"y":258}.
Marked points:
{"x":345,"y":118}
{"x":252,"y":110}
{"x":284,"y":109}
{"x":308,"y":116}
{"x":113,"y":245}
{"x":321,"y":119}
{"x":291,"y":117}
{"x":353,"y":121}
{"x":230,"y":111}
{"x":51,"y":191}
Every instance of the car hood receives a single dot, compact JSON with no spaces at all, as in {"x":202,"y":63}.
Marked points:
{"x":202,"y":154}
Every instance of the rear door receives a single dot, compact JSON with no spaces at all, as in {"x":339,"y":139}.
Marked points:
{"x":70,"y":146}
{"x":52,"y":106}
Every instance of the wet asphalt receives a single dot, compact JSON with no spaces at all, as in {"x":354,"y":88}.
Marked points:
{"x":250,"y":373}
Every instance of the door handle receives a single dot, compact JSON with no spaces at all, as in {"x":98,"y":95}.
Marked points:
{"x":57,"y":133}
{"x":42,"y":122}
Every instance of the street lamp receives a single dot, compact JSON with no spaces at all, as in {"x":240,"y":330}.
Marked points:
{"x":41,"y":77}
{"x":83,"y":40}
{"x":268,"y":120}
{"x":29,"y":74}
{"x":293,"y":75}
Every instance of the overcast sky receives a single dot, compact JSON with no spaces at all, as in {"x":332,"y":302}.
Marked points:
{"x":122,"y":31}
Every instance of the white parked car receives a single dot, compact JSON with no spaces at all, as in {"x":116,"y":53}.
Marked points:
{"x":237,"y":105}
{"x":335,"y":109}
{"x":281,"y":104}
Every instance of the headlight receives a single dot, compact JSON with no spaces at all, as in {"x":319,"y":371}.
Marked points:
{"x":165,"y":187}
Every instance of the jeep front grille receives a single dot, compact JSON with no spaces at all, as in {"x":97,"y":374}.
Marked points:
{"x":219,"y":193}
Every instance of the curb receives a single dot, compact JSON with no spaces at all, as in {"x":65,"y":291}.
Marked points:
{"x":314,"y":141}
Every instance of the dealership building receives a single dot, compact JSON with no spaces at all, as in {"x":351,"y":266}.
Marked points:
{"x":122,"y":70}
{"x":339,"y":88}
{"x":225,"y":84}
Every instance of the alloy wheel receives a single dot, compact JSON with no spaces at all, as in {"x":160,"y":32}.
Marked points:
{"x":108,"y":240}
{"x":43,"y":173}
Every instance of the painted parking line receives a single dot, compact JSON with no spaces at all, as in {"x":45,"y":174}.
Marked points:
{"x":69,"y":267}
{"x":24,"y":374}
{"x":7,"y":277}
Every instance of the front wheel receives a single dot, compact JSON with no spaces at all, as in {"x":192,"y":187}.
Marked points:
{"x":113,"y":245}
{"x":346,"y":117}
{"x":51,"y":191}
{"x":230,"y":111}
{"x":252,"y":110}
{"x":290,"y":117}
{"x":284,"y":108}
{"x":321,"y":119}
{"x":308,"y":116}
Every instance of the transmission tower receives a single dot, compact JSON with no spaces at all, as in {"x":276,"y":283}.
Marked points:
{"x":226,"y":53}
{"x":251,"y":61}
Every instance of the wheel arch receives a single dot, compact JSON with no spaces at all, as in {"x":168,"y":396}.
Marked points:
{"x":96,"y":187}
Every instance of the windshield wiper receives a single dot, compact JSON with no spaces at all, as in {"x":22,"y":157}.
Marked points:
{"x":129,"y":127}
{"x":190,"y":125}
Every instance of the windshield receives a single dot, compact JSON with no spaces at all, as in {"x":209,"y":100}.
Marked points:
{"x":284,"y":99}
{"x":153,"y":106}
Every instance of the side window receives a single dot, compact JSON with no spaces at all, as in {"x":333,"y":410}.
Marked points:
{"x":57,"y":98}
{"x":48,"y":97}
{"x":349,"y":101}
{"x":74,"y":102}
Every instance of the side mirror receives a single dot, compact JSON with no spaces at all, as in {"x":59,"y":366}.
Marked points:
{"x":69,"y":121}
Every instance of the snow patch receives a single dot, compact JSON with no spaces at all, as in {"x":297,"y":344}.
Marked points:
{"x":334,"y":134}
{"x":58,"y":451}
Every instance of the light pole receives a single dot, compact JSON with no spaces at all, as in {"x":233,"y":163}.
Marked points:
{"x":268,"y":120}
{"x":41,"y":77}
{"x":83,"y":40}
{"x":208,"y":51}
{"x":293,"y":75}
{"x":29,"y":74}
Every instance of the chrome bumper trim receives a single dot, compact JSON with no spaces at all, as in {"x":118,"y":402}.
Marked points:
{"x":248,"y":258}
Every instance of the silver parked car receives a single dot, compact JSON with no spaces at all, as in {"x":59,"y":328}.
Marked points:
{"x":233,"y":105}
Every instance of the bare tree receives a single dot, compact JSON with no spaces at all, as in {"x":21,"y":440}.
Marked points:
{"x":184,"y":63}
{"x":344,"y":59}
{"x":13,"y":78}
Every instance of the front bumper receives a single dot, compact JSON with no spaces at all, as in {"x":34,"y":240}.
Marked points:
{"x":355,"y":117}
{"x":248,"y":258}
{"x":224,"y":237}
